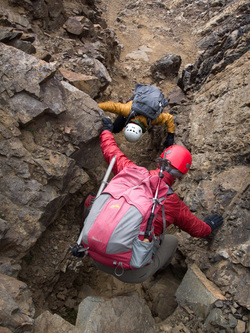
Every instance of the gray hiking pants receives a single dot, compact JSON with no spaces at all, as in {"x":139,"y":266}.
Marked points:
{"x":161,"y":260}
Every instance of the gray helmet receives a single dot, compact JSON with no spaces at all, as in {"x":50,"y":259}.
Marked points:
{"x":133,"y":132}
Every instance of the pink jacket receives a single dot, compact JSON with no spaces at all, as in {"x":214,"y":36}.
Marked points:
{"x":176,"y":212}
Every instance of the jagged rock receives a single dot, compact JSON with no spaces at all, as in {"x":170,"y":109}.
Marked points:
{"x":99,"y":70}
{"x":119,"y":314}
{"x":241,"y":327}
{"x":177,"y":97}
{"x":23,"y":45}
{"x":82,"y":110}
{"x":44,"y":177}
{"x":7,"y":34}
{"x":16,"y":305}
{"x":231,"y":278}
{"x":222,"y":47}
{"x":78,"y":58}
{"x":161,"y":293}
{"x":187,"y":77}
{"x":166,"y":67}
{"x":240,"y":254}
{"x":30,"y":190}
{"x":10,"y":18}
{"x":80,"y":26}
{"x":220,"y":113}
{"x":28,"y":37}
{"x":8,"y":266}
{"x":87,"y":83}
{"x":21,"y":79}
{"x":208,"y":41}
{"x":74,"y":26}
{"x":26,"y":107}
{"x":4,"y":227}
{"x":178,"y":322}
{"x":88,"y":66}
{"x":51,"y":14}
{"x":52,"y":323}
{"x":216,"y":320}
{"x":112,"y":51}
{"x":75,"y":123}
{"x":92,"y":50}
{"x":198,"y":292}
{"x":27,"y":4}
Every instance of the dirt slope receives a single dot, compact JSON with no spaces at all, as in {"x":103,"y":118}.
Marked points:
{"x":151,"y":26}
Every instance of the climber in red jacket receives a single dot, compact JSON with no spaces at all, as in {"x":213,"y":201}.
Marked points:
{"x":176,"y":212}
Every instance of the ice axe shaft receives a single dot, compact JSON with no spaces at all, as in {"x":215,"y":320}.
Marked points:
{"x":103,"y":184}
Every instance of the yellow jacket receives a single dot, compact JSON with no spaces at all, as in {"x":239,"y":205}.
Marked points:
{"x":124,"y":109}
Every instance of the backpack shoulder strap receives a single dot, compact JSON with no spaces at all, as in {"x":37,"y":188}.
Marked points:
{"x":130,"y":98}
{"x":132,"y":114}
{"x":170,"y":192}
{"x":149,"y":121}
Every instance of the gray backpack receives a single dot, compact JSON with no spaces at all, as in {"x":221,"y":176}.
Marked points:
{"x":148,"y":101}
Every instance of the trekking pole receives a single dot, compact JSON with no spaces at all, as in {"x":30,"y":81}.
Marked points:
{"x":104,"y":181}
{"x":103,"y":184}
{"x":152,"y":215}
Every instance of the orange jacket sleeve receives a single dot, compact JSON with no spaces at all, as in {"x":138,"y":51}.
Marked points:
{"x":167,"y":120}
{"x":117,"y":108}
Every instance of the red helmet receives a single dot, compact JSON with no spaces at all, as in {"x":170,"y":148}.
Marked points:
{"x":179,"y":157}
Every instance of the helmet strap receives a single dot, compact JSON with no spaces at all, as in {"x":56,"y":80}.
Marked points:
{"x":137,"y":122}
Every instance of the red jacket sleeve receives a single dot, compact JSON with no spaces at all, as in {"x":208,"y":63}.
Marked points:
{"x":190,"y":223}
{"x":110,"y":149}
{"x":177,"y":213}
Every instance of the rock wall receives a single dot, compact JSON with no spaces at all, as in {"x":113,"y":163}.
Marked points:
{"x":54,"y":59}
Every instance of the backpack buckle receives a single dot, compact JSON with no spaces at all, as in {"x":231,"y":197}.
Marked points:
{"x":119,"y":270}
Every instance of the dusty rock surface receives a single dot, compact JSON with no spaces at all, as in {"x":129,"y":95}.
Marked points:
{"x":50,"y":154}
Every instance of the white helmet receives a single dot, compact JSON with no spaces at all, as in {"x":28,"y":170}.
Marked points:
{"x":133,"y":132}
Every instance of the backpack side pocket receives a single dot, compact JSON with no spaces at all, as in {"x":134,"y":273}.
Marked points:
{"x":142,"y":253}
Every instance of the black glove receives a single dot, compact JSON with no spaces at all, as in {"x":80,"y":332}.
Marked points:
{"x":169,"y":140}
{"x":77,"y":251}
{"x":107,"y":125}
{"x":214,"y":221}
{"x":119,"y":123}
